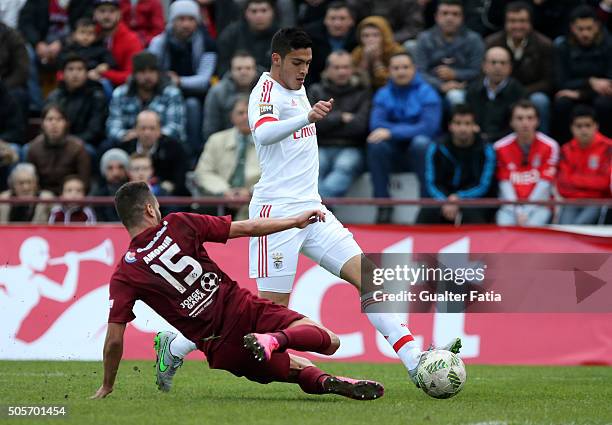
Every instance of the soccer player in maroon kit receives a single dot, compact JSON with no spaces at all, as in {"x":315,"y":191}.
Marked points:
{"x":167,"y":267}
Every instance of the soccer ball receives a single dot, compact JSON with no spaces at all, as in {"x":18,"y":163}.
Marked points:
{"x":209,"y":282}
{"x":441,"y":374}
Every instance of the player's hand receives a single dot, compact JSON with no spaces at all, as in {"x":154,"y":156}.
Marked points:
{"x":320,"y":110}
{"x":101,"y":393}
{"x":309,"y":217}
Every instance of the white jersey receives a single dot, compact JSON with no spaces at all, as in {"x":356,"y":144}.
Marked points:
{"x":289,"y":168}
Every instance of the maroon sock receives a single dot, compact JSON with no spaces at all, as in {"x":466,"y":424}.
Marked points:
{"x":303,"y":338}
{"x":311,"y":380}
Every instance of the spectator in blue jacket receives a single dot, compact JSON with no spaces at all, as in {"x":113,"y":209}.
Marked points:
{"x":405,"y":115}
{"x":188,"y":55}
{"x":461,"y":166}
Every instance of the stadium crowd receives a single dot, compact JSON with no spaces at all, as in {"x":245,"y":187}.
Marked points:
{"x":497,"y":98}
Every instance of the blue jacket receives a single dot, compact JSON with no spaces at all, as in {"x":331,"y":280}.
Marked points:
{"x":413,"y":110}
{"x":467,"y":172}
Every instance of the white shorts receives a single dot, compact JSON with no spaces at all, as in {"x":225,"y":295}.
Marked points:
{"x":327,"y":243}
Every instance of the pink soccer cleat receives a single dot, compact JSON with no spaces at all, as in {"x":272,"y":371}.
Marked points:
{"x":261,"y":345}
{"x":357,"y":389}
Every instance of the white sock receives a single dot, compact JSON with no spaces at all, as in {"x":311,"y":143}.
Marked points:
{"x":181,"y":346}
{"x":398,"y":336}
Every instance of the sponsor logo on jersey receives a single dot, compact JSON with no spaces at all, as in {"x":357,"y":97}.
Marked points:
{"x":525,"y":177}
{"x":265,"y":109}
{"x":278,"y":260}
{"x":130,"y":257}
{"x":309,"y":130}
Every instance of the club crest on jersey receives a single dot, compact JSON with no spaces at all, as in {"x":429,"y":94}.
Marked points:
{"x":266,"y":109}
{"x":593,"y":162}
{"x":130,"y":257}
{"x":293,"y":103}
{"x":537,"y":161}
{"x":277,"y":257}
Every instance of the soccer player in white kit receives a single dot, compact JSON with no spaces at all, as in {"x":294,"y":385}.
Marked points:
{"x":283,"y":126}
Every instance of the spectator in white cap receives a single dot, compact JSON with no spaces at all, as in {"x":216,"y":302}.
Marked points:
{"x":113,"y":168}
{"x":188,"y":55}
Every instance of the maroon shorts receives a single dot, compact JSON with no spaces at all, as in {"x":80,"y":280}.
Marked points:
{"x":253,"y":314}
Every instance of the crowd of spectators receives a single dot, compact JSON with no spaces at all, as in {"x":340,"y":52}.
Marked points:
{"x":496,"y":98}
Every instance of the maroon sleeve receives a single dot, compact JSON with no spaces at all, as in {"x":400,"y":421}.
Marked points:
{"x":121,"y":301}
{"x":208,"y":228}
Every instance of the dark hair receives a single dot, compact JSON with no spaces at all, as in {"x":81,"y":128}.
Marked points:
{"x":340,"y":4}
{"x":130,"y":202}
{"x":288,"y":39}
{"x":241,"y":98}
{"x":402,"y":53}
{"x":504,"y":48}
{"x":519,"y":6}
{"x":524,"y":104}
{"x":583,"y":12}
{"x":73,"y":57}
{"x":72,"y":177}
{"x":84,"y":22}
{"x":583,"y":111}
{"x":242,"y":54}
{"x":272,"y":3}
{"x":340,"y":52}
{"x":462,"y":109}
{"x":450,"y":3}
{"x":54,"y":107}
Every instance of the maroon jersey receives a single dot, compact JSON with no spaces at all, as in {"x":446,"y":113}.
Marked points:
{"x":167,"y":267}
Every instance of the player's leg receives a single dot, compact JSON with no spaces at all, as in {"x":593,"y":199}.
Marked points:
{"x":170,"y":349}
{"x":333,"y":247}
{"x":302,"y":334}
{"x":269,"y":285}
{"x":273,"y":258}
{"x":313,"y":380}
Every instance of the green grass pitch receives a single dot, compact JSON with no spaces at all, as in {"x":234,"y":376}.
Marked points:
{"x":493,"y":395}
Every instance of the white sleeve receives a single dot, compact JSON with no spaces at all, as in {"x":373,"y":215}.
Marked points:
{"x":506,"y":190}
{"x":271,"y":132}
{"x":541,"y":191}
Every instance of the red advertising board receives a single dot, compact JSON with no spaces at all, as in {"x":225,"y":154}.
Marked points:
{"x":54,"y":296}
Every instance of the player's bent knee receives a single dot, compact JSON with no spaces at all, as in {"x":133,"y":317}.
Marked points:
{"x":334,"y":344}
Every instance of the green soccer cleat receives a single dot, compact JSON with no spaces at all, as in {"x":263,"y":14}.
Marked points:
{"x":166,"y":364}
{"x":454,"y":347}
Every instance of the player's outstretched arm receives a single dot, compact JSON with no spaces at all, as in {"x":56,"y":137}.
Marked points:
{"x":274,"y":131}
{"x":113,"y":351}
{"x":266,"y":226}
